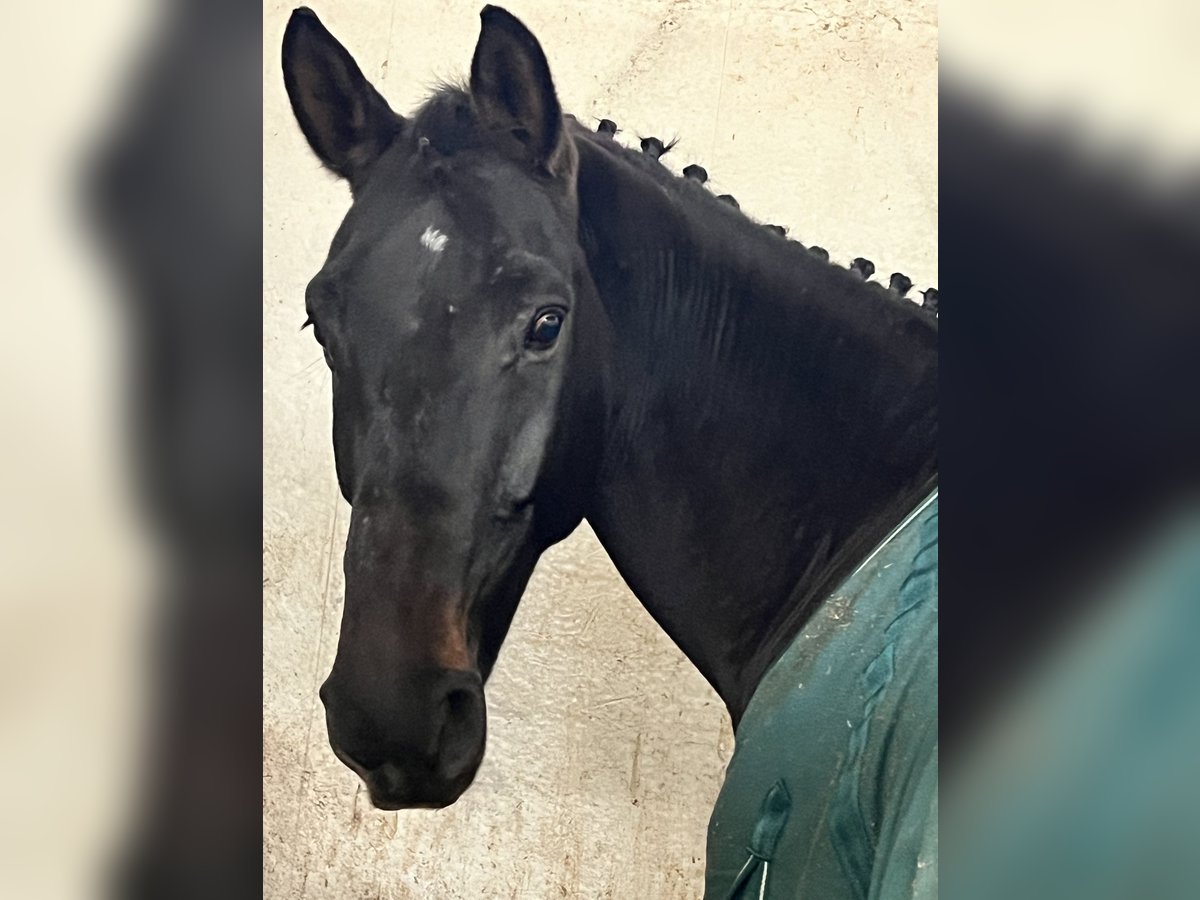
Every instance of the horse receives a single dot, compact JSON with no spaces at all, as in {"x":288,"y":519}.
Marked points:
{"x":528,"y":325}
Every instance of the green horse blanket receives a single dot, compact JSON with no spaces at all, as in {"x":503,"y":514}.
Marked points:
{"x":832,"y":791}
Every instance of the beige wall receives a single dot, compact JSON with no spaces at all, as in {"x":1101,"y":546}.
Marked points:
{"x":605,"y":747}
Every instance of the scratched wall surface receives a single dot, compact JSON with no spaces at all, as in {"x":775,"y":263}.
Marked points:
{"x":606,"y":749}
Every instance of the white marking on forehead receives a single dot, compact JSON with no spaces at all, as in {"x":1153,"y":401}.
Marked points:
{"x":433,"y":240}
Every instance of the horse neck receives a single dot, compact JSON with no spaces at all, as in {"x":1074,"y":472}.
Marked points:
{"x":766,"y":419}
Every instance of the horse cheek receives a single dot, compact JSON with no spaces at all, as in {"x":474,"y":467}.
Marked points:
{"x":523,"y":463}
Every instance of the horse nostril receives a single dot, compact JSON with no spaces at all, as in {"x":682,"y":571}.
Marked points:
{"x":462,"y":734}
{"x":458,"y":701}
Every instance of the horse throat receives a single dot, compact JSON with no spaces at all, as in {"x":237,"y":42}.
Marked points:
{"x":766,"y":421}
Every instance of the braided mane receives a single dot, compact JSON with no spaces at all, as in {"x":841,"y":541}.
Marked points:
{"x":447,"y":122}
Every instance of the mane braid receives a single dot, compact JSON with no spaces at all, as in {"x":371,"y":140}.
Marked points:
{"x":692,"y":189}
{"x":447,"y":121}
{"x":783,"y":333}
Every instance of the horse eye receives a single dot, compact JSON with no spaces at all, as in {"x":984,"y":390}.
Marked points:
{"x":545,"y":329}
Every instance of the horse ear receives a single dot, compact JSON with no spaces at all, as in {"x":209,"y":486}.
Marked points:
{"x":347,"y":123}
{"x":514,"y":94}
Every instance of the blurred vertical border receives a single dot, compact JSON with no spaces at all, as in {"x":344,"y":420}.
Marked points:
{"x":134,"y":737}
{"x":1069,"y":198}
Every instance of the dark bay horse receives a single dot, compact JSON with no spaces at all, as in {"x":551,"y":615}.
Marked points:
{"x":527,"y":325}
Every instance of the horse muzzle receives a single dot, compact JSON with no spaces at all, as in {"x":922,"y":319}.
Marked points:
{"x":417,"y":744}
